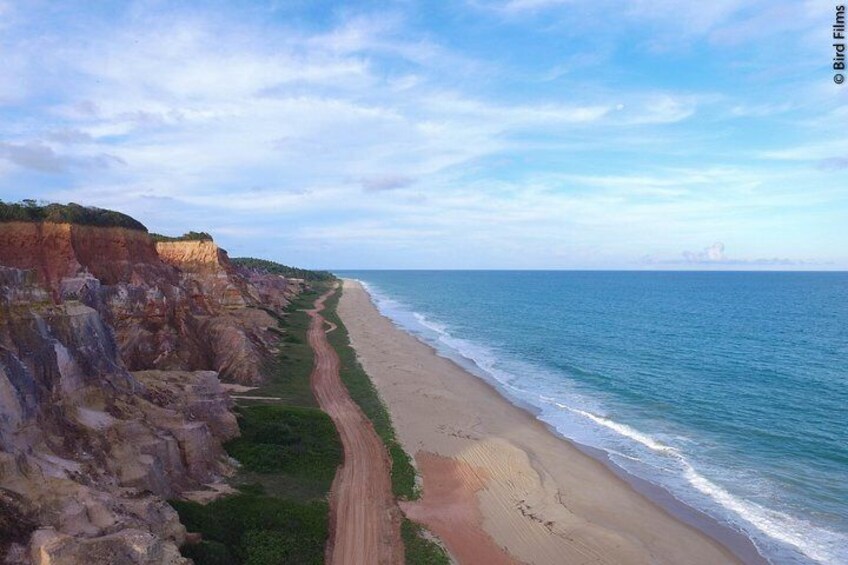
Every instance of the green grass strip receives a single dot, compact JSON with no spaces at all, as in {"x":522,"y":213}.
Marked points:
{"x":297,"y":441}
{"x":364,"y":393}
{"x":255,"y":529}
{"x":289,"y":451}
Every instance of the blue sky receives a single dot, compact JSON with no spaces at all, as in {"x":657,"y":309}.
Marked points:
{"x":465,"y":134}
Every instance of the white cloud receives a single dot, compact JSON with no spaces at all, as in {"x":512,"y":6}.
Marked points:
{"x":182,"y":99}
{"x":813,"y":151}
{"x":370,"y":130}
{"x":39,"y":157}
{"x":712,"y":254}
{"x":715,"y":256}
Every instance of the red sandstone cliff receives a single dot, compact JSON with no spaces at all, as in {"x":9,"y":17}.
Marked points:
{"x":58,"y":251}
{"x":173,"y":305}
{"x":110,"y":350}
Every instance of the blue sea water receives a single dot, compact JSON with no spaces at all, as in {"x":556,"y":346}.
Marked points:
{"x":730,"y":390}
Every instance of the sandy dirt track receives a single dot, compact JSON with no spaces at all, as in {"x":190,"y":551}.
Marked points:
{"x":364,"y":517}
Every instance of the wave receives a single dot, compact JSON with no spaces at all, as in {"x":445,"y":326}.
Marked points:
{"x":822,"y":546}
{"x":776,"y":525}
{"x":777,"y":535}
{"x":626,"y":431}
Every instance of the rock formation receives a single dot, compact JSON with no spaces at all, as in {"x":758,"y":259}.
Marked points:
{"x":110,"y":401}
{"x":172,"y":305}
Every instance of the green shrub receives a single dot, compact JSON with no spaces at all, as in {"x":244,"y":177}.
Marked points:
{"x":419,"y":549}
{"x":208,"y":553}
{"x":295,"y":440}
{"x":270,"y":267}
{"x":188,"y":236}
{"x":32,"y":211}
{"x":266,"y":547}
{"x":253,"y":529}
{"x":288,"y":374}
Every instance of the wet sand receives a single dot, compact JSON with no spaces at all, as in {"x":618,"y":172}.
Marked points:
{"x":497,"y":484}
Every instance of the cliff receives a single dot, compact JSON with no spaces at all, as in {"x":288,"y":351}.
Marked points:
{"x":206,"y":268}
{"x":58,"y":251}
{"x":230,"y":314}
{"x":172,"y":305}
{"x":87,"y":451}
{"x":111,"y":346}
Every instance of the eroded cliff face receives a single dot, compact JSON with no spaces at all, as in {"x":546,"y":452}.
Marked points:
{"x":233,"y":322}
{"x":59,"y":251}
{"x":174,"y":305}
{"x":110,"y":400}
{"x":89,"y":451}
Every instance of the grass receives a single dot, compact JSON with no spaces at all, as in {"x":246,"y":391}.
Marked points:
{"x":288,"y":374}
{"x":420,"y":550}
{"x":255,"y":529}
{"x":292,"y":440}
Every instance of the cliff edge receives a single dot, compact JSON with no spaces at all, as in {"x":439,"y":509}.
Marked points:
{"x":111,"y":350}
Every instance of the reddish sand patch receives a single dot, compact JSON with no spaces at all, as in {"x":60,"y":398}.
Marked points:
{"x":365,"y":520}
{"x":450,"y":510}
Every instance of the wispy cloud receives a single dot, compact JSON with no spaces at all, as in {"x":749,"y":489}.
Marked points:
{"x":380,"y":183}
{"x":542,"y":136}
{"x":37,"y":156}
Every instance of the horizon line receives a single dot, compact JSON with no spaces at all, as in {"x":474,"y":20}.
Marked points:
{"x":580,"y":270}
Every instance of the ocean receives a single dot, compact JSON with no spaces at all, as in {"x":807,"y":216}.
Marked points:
{"x":727,"y":389}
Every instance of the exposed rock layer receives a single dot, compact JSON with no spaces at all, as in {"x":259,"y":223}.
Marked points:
{"x":110,"y":348}
{"x":172,"y":305}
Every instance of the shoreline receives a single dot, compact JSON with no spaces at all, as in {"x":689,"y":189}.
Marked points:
{"x":740,"y":545}
{"x":572,"y":500}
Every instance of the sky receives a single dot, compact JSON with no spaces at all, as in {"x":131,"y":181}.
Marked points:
{"x":470,"y":134}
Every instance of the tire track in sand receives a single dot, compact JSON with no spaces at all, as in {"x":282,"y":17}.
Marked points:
{"x":364,"y":517}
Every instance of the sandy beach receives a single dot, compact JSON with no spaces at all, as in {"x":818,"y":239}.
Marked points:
{"x":498,"y":486}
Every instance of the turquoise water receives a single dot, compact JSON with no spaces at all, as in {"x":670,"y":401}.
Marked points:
{"x":727,"y":389}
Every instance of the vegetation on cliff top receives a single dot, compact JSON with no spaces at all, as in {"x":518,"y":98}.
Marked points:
{"x":188,"y":236}
{"x":32,"y":211}
{"x":270,"y":267}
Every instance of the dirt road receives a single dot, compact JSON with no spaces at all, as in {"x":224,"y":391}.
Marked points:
{"x":364,"y":517}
